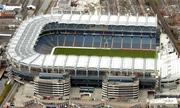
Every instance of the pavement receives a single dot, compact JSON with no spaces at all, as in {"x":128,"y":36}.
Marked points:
{"x":1,"y":1}
{"x":44,"y":6}
{"x":24,"y":94}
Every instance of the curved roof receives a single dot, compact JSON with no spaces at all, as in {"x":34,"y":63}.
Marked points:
{"x":21,"y":46}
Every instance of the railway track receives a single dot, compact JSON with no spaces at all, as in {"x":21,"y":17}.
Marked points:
{"x":164,"y":24}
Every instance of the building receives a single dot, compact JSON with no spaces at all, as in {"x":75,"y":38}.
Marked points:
{"x":9,"y":7}
{"x":1,"y":7}
{"x":163,"y":103}
{"x":120,"y":87}
{"x":88,"y":47}
{"x":52,"y":85}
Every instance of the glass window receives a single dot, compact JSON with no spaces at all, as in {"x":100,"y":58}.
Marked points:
{"x":92,"y":73}
{"x":61,"y":40}
{"x":97,"y":41}
{"x":81,"y":72}
{"x":78,"y":41}
{"x":126,"y":42}
{"x":106,"y":42}
{"x":69,"y":40}
{"x":117,"y":42}
{"x":88,"y":41}
{"x":153,"y":43}
{"x":136,"y":42}
{"x":145,"y":43}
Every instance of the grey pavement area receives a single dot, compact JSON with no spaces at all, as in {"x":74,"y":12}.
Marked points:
{"x":2,"y":82}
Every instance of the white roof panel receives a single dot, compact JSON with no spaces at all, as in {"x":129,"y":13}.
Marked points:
{"x":123,"y":20}
{"x":85,"y":18}
{"x":116,"y":63}
{"x":150,"y":64}
{"x":138,"y":63}
{"x":94,"y":19}
{"x":113,"y":19}
{"x":132,"y":20}
{"x":30,"y":59}
{"x":105,"y":62}
{"x":49,"y":60}
{"x":17,"y":58}
{"x":127,"y":63}
{"x":60,"y":60}
{"x":94,"y":62}
{"x":141,"y":20}
{"x":83,"y":61}
{"x":71,"y":61}
{"x":151,"y":21}
{"x":65,"y":17}
{"x":103,"y":19}
{"x":38,"y":61}
{"x":75,"y":18}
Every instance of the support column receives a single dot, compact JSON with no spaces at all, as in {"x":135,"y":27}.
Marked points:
{"x":74,"y":40}
{"x":29,"y":68}
{"x":112,"y":42}
{"x":133,"y":63}
{"x":41,"y":69}
{"x":57,"y":40}
{"x":19,"y":67}
{"x":131,"y":41}
{"x":141,"y":43}
{"x":98,"y":73}
{"x":75,"y":73}
{"x":64,"y":41}
{"x":83,"y":41}
{"x":121,"y":42}
{"x":144,"y":68}
{"x":101,"y":42}
{"x":93,"y":42}
{"x":58,"y":70}
{"x":150,"y":44}
{"x":121,"y":65}
{"x":87,"y":73}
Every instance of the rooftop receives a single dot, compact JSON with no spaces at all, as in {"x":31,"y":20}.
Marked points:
{"x":163,"y":101}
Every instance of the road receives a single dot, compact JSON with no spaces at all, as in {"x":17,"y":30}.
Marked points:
{"x":10,"y":94}
{"x":44,"y":7}
{"x":166,"y":27}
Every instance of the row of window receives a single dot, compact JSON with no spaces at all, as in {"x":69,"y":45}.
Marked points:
{"x":55,"y":25}
{"x":98,"y":41}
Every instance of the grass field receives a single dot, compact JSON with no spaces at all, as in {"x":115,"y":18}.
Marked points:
{"x":105,"y":52}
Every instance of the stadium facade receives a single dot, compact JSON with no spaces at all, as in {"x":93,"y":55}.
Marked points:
{"x":30,"y":49}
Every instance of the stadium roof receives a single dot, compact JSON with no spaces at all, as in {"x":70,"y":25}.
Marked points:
{"x":21,"y":46}
{"x":109,"y":20}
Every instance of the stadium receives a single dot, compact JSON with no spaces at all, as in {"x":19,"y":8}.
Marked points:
{"x":88,"y":49}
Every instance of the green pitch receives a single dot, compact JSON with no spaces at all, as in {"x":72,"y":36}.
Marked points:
{"x":105,"y":52}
